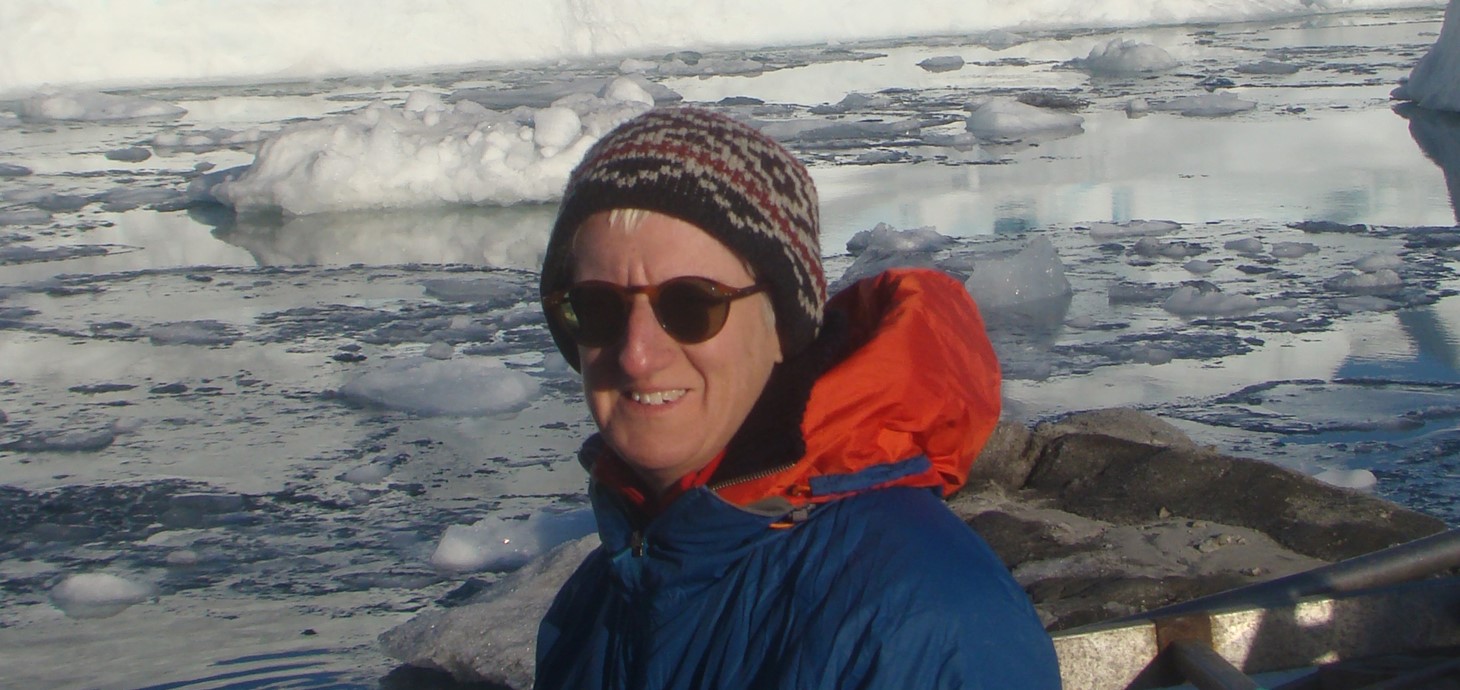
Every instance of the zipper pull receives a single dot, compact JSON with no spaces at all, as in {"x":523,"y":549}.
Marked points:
{"x":636,"y":544}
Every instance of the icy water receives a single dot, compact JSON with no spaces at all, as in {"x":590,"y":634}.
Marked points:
{"x":169,"y":375}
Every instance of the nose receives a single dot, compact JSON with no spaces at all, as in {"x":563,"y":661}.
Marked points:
{"x":646,"y":347}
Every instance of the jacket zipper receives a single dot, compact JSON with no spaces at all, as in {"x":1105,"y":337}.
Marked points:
{"x":752,"y":477}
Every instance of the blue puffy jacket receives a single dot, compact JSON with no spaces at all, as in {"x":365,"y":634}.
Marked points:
{"x":840,"y":568}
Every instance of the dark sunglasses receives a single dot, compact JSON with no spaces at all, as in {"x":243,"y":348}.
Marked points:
{"x":690,"y":309}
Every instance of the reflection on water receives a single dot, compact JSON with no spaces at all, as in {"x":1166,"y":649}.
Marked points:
{"x":1438,"y":135}
{"x":510,"y":237}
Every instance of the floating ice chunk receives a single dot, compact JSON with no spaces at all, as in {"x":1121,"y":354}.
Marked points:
{"x":368,"y":473}
{"x":854,"y":101}
{"x":1247,"y":245}
{"x":1375,"y":262}
{"x":1137,"y":107}
{"x":64,"y":441}
{"x":1105,"y":232}
{"x":208,"y":140}
{"x":1193,"y":301}
{"x":1378,"y":281}
{"x":1000,"y":39}
{"x":1152,"y":247}
{"x":1268,"y":67}
{"x":1122,"y":56}
{"x":1151,"y":355}
{"x":636,"y":66}
{"x":1362,"y":480}
{"x":1206,"y":105}
{"x":626,"y":91}
{"x":555,"y":128}
{"x":1033,"y":275}
{"x":91,"y":106}
{"x":201,"y":332}
{"x":496,"y":544}
{"x":440,"y":351}
{"x":942,"y":63}
{"x":1433,"y":81}
{"x":427,"y":154}
{"x":457,"y":387}
{"x":1010,"y":119}
{"x":1293,"y":250}
{"x":98,"y":595}
{"x":815,"y":129}
{"x":885,"y":238}
{"x":131,"y":154}
{"x":13,"y":170}
{"x":1199,"y":267}
{"x":504,"y":619}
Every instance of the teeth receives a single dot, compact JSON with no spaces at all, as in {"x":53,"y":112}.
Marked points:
{"x":657,"y":397}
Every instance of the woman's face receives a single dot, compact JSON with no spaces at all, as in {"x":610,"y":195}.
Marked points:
{"x":665,"y":407}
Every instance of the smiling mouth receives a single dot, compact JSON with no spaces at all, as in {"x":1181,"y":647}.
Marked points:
{"x":657,"y":397}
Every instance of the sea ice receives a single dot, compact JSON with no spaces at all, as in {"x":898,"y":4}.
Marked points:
{"x":1193,"y":301}
{"x":885,"y":238}
{"x":1010,"y":119}
{"x":1151,"y":247}
{"x":1121,"y":56}
{"x":425,"y":153}
{"x":201,"y":332}
{"x":1293,"y":250}
{"x":1105,"y":232}
{"x":1246,"y":245}
{"x":942,"y":63}
{"x":1199,"y":266}
{"x":496,"y":544}
{"x":1217,"y":104}
{"x":98,"y":595}
{"x":1379,"y":280}
{"x":1034,"y":275}
{"x":1269,"y":67}
{"x":822,"y":130}
{"x":91,"y":106}
{"x":13,"y":170}
{"x":1434,"y":82}
{"x":456,"y":387}
{"x":1362,"y":480}
{"x":1375,"y":262}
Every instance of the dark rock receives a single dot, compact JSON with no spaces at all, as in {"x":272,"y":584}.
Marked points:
{"x":1124,"y":482}
{"x":168,"y":389}
{"x":1007,"y":458}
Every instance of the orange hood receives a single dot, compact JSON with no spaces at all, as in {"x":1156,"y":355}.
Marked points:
{"x":920,"y":378}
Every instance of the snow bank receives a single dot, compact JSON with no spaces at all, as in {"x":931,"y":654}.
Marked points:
{"x":1435,"y":81}
{"x":424,"y":152}
{"x":133,"y":42}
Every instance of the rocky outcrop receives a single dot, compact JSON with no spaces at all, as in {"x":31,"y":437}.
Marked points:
{"x":1110,"y":513}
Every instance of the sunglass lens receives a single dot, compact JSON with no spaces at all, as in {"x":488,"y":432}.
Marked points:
{"x":691,"y":311}
{"x":599,"y":313}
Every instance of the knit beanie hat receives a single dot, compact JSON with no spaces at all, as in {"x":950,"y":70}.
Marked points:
{"x":720,"y":175}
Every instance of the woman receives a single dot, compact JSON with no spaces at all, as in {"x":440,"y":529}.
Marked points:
{"x":769,"y":464}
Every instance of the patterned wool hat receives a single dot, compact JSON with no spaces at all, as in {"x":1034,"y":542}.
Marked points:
{"x":720,"y":175}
